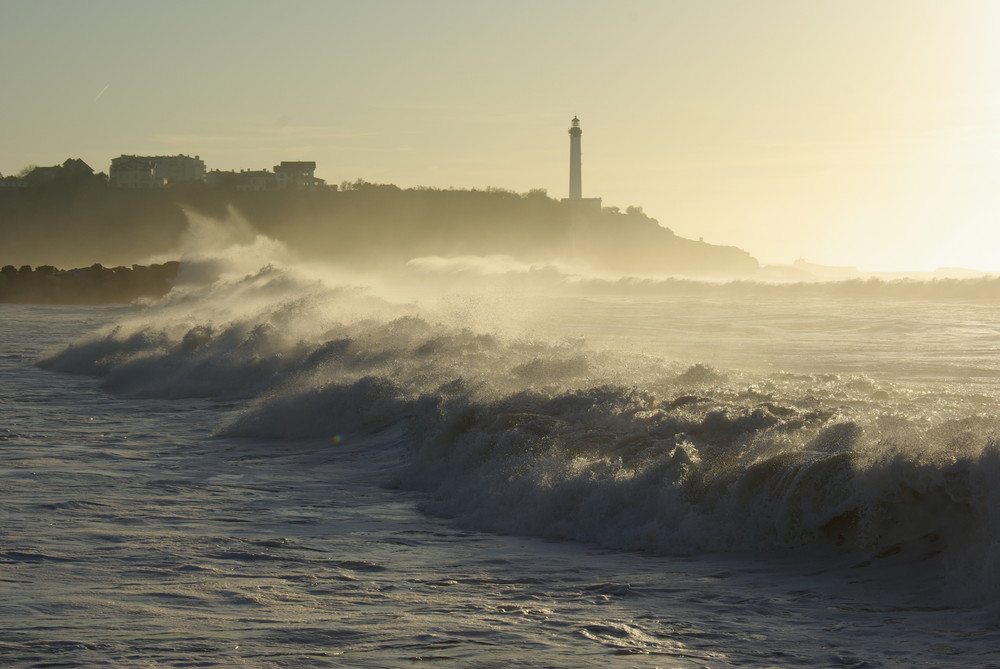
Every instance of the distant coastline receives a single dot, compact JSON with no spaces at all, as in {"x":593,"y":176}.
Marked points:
{"x":377,"y":227}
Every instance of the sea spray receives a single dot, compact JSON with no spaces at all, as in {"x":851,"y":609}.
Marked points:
{"x":555,"y":437}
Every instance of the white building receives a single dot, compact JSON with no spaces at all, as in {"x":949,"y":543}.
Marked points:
{"x":132,"y":172}
{"x":129,"y":171}
{"x":178,"y":169}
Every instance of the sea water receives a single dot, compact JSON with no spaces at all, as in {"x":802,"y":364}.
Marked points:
{"x":279,"y":468}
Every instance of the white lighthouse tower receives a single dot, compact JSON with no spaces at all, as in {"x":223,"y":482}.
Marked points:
{"x":575,"y":169}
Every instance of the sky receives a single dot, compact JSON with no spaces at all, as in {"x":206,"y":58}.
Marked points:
{"x":862,"y":133}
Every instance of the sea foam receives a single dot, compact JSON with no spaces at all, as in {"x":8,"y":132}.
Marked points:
{"x":535,"y":435}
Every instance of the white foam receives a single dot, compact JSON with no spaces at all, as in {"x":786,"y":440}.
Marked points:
{"x":551,"y":437}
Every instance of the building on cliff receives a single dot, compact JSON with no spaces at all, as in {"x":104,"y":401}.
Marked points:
{"x":297,"y":175}
{"x":129,"y":171}
{"x":12,"y":182}
{"x":244,"y":180}
{"x":294,"y":175}
{"x":73,"y":170}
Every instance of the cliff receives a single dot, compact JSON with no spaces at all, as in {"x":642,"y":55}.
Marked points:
{"x":370,"y":226}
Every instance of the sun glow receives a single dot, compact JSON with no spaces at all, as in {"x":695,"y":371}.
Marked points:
{"x":848,"y":133}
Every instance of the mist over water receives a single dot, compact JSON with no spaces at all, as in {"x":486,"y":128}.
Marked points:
{"x":380,"y":425}
{"x":855,"y":419}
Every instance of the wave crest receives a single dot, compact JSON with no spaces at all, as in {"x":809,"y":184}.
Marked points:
{"x":553,"y":438}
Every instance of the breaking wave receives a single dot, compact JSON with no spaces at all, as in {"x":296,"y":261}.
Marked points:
{"x":514,"y":433}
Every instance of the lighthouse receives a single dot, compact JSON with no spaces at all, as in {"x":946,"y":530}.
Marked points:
{"x":576,"y":197}
{"x":575,"y":176}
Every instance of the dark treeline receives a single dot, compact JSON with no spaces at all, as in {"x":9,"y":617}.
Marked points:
{"x":86,"y":285}
{"x":365,"y":225}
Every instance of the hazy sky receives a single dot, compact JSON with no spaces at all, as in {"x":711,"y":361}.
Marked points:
{"x":847,"y":132}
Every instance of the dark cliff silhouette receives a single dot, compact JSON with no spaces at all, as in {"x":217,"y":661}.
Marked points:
{"x":86,"y":285}
{"x":364,"y":225}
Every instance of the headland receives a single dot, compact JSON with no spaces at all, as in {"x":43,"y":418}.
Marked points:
{"x":360,"y":225}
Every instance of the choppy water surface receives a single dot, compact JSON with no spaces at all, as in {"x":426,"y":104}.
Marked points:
{"x":271,"y":488}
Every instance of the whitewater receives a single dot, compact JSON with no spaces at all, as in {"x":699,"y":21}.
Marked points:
{"x":485,"y":464}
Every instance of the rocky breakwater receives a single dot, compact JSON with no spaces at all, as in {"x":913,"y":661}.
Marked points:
{"x":87,"y":285}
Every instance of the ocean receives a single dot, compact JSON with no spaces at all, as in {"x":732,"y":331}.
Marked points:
{"x":482,"y":464}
